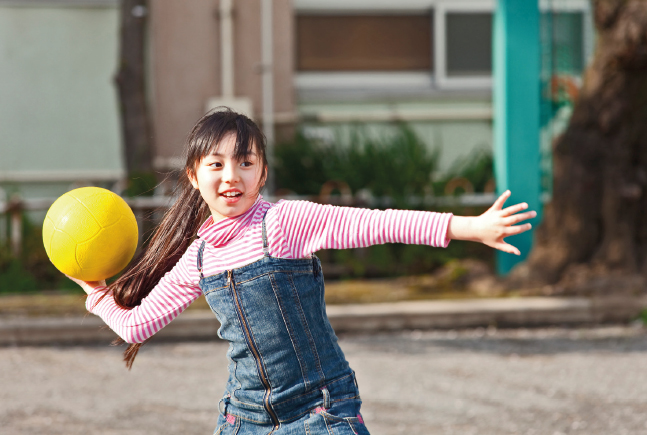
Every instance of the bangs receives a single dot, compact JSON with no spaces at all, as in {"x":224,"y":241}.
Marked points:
{"x":244,"y":142}
{"x":206,"y":137}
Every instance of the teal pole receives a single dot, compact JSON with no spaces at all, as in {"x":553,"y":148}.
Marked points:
{"x":516,"y":101}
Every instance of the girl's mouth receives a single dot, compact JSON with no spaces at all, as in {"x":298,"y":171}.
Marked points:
{"x":231,"y":196}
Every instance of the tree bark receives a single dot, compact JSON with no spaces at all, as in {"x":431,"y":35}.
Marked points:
{"x":130,"y":80}
{"x":596,"y":223}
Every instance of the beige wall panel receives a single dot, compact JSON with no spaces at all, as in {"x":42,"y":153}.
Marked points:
{"x":247,"y":42}
{"x":185,"y":68}
{"x":247,"y":51}
{"x":186,"y":63}
{"x":284,"y":98}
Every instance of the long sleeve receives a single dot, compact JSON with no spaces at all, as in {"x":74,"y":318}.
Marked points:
{"x":308,"y":227}
{"x":295,"y":230}
{"x":172,"y":295}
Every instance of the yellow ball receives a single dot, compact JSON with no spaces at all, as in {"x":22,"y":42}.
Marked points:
{"x":90,"y":233}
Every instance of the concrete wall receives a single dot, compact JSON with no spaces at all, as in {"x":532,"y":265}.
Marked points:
{"x":185,"y":44}
{"x":58,"y":104}
{"x":459,"y":129}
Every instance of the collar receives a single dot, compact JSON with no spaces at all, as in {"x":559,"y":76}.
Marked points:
{"x":228,"y":229}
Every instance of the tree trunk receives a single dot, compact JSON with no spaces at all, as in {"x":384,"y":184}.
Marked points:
{"x":130,"y":79}
{"x":594,"y":231}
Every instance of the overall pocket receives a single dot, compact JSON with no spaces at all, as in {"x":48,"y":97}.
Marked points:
{"x":341,"y":419}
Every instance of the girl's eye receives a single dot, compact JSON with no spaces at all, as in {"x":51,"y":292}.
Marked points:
{"x":246,"y":164}
{"x":215,"y":164}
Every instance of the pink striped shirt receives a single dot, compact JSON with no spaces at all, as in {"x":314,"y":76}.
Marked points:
{"x":295,"y":229}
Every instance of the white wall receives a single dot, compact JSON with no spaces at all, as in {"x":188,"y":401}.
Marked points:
{"x":58,"y":104}
{"x":453,"y":128}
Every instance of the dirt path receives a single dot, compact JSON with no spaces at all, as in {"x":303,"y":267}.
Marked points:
{"x":548,"y":381}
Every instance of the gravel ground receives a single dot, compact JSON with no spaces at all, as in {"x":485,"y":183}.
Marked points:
{"x":544,"y":381}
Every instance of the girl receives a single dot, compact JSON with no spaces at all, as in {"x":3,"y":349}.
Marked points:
{"x":253,"y":261}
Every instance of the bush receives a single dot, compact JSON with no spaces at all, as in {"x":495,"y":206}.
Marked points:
{"x":477,"y":168}
{"x":32,"y":270}
{"x":397,"y":167}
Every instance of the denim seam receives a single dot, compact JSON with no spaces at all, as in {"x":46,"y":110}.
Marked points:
{"x":302,"y":315}
{"x":326,"y":423}
{"x":310,"y":392}
{"x":248,"y":419}
{"x":331,"y":417}
{"x":299,"y":271}
{"x":206,"y":292}
{"x":222,"y":426}
{"x":251,"y":405}
{"x":272,"y":272}
{"x":258,"y":261}
{"x":296,"y":417}
{"x":344,"y":398}
{"x":237,"y":385}
{"x":290,"y":329}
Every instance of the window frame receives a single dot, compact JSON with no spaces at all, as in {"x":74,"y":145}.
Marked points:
{"x":442,"y":79}
{"x":437,"y":78}
{"x":588,"y":29}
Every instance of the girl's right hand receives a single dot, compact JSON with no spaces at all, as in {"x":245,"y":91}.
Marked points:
{"x":88,"y":286}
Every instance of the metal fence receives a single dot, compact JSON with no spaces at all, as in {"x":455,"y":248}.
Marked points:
{"x":12,"y":208}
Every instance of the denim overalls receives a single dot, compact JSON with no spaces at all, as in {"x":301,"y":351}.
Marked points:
{"x":287,"y":374}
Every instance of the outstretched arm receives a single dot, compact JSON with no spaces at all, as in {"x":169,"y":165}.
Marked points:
{"x":308,"y":227}
{"x":493,"y":226}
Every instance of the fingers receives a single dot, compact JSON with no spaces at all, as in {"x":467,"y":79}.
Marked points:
{"x":505,"y":247}
{"x":498,"y":204}
{"x":88,"y":286}
{"x":519,"y":218}
{"x":514,"y":209}
{"x":517,"y":229}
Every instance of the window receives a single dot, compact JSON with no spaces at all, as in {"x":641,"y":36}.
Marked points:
{"x":463,"y":44}
{"x":421,"y":45}
{"x":363,"y":42}
{"x":564,"y":31}
{"x":469,"y":44}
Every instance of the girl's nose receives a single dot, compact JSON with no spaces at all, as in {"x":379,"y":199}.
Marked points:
{"x":229,"y":174}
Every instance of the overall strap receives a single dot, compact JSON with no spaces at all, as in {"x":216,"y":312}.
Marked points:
{"x":200,"y":252}
{"x":266,"y":251}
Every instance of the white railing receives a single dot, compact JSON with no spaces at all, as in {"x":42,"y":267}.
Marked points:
{"x":15,"y":206}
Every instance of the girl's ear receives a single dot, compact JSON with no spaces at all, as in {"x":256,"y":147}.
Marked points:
{"x":192,"y":179}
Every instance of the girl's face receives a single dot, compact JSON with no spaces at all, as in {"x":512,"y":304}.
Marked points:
{"x":228,"y":186}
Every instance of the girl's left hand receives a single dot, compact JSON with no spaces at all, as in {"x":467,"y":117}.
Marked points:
{"x":493,"y":226}
{"x":498,"y":223}
{"x":88,"y":286}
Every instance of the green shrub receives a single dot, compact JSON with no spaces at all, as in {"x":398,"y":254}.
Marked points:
{"x":396,"y":167}
{"x":32,"y":270}
{"x":477,"y":168}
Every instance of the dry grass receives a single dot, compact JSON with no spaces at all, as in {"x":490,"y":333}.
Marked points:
{"x":457,"y":280}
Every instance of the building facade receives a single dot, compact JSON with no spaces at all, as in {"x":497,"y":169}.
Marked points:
{"x":319,"y":65}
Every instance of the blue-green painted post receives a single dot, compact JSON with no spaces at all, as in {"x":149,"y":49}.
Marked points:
{"x":516,"y":100}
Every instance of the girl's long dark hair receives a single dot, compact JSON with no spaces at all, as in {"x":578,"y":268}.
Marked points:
{"x":182,"y":220}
